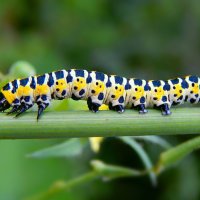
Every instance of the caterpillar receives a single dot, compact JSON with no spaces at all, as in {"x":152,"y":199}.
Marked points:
{"x":98,"y":88}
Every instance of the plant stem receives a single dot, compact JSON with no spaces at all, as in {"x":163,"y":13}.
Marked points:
{"x":100,"y":170}
{"x":60,"y":186}
{"x":105,"y":123}
{"x":176,"y":153}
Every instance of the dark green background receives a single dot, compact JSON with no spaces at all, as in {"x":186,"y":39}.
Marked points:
{"x":135,"y":38}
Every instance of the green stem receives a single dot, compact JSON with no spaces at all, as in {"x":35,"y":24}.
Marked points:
{"x":100,"y":170}
{"x":176,"y":153}
{"x":60,"y":186}
{"x":105,"y":123}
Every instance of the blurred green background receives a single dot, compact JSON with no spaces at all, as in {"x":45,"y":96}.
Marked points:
{"x":134,"y":38}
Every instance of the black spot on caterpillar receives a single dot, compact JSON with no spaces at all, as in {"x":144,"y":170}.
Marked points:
{"x":98,"y":88}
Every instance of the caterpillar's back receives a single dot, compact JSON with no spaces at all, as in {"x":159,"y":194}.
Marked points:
{"x":98,"y":88}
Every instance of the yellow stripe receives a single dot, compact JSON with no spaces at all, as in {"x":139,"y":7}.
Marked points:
{"x":10,"y":97}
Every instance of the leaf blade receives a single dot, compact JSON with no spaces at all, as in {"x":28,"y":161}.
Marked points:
{"x":70,"y":148}
{"x":176,"y":153}
{"x":142,"y":154}
{"x":155,"y":140}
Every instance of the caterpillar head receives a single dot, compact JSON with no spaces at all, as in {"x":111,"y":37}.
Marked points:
{"x":158,"y":93}
{"x":79,"y":87}
{"x":118,"y":91}
{"x":3,"y":102}
{"x":97,"y":87}
{"x":138,"y":92}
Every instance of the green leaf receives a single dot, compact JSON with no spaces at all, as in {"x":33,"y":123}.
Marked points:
{"x":109,"y":172}
{"x":177,"y":153}
{"x":21,"y":69}
{"x":155,"y":140}
{"x":70,"y":148}
{"x":143,"y":156}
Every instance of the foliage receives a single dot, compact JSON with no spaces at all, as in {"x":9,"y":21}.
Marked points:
{"x":148,"y":39}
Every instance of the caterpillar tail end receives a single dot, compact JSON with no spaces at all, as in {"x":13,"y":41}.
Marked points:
{"x":4,"y":105}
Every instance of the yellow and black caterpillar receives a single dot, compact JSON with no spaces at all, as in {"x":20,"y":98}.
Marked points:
{"x":98,"y":88}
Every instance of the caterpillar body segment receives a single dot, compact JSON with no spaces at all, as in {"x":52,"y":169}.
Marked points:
{"x":178,"y":91}
{"x":116,"y":93}
{"x":136,"y":94}
{"x":98,"y":88}
{"x":158,"y":96}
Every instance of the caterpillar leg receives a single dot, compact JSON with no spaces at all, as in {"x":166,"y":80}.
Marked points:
{"x":118,"y":108}
{"x":41,"y":108}
{"x":43,"y":102}
{"x":111,"y":107}
{"x":21,"y":105}
{"x":165,"y":109}
{"x":23,"y":108}
{"x":142,"y":109}
{"x":14,"y":109}
{"x":94,"y":107}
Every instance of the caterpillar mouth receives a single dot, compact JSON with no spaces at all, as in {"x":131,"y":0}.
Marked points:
{"x":4,"y":105}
